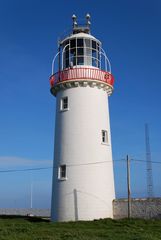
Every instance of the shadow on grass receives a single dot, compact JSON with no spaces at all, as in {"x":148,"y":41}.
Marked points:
{"x":28,"y":218}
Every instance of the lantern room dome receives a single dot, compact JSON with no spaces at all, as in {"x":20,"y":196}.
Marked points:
{"x":80,"y":35}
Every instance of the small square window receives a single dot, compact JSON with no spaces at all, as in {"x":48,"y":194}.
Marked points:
{"x":104,"y":136}
{"x":62,"y":172}
{"x":64,"y":103}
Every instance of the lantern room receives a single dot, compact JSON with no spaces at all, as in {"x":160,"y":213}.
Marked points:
{"x":80,"y":57}
{"x":80,"y":48}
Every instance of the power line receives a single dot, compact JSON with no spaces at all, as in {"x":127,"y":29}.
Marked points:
{"x":45,"y":168}
{"x":141,"y":160}
{"x":92,"y":163}
{"x":74,"y":165}
{"x":24,"y":170}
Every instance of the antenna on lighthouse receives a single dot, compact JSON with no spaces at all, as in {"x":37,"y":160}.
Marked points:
{"x":74,"y":18}
{"x":88,"y":19}
{"x":81,"y":28}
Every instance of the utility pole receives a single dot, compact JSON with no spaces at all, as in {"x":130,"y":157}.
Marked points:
{"x":128,"y":186}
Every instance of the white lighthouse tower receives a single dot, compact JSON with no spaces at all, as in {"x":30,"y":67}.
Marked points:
{"x":83,"y":182}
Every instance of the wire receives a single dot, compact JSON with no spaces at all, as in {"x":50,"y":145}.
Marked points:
{"x":82,"y":164}
{"x":73,"y":165}
{"x":140,"y":160}
{"x":24,"y":170}
{"x":45,"y":168}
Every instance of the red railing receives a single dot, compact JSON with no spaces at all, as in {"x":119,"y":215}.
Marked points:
{"x":73,"y":74}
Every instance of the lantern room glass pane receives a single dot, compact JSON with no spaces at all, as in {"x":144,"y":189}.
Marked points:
{"x":87,"y":61}
{"x":80,"y":51}
{"x":73,"y":61}
{"x":94,"y":44}
{"x":94,"y":53}
{"x":73,"y":52}
{"x":73,"y":43}
{"x":67,"y":53}
{"x":79,"y":42}
{"x":66,"y":62}
{"x":65,"y":43}
{"x":87,"y":43}
{"x":98,"y":47}
{"x":80,"y":61}
{"x":88,"y":51}
{"x":94,"y":62}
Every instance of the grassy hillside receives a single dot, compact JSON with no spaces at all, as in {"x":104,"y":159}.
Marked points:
{"x":37,"y":229}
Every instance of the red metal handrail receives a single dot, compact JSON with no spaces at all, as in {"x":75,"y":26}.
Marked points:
{"x":73,"y":74}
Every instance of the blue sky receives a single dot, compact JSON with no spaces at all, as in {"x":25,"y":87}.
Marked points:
{"x":131,"y":36}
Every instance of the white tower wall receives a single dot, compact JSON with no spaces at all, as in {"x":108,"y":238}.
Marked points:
{"x":88,"y":191}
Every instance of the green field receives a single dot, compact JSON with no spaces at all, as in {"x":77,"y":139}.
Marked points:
{"x":15,"y":228}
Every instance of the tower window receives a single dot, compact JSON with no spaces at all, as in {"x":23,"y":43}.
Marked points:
{"x":104,"y":136}
{"x":62,"y":172}
{"x":64,"y":103}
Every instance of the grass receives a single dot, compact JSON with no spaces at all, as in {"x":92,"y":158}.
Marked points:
{"x":15,"y":228}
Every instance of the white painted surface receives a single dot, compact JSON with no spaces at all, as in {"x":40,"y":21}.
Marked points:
{"x":80,"y":35}
{"x":88,"y":192}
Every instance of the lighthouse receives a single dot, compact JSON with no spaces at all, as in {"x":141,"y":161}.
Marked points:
{"x":83,"y":181}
